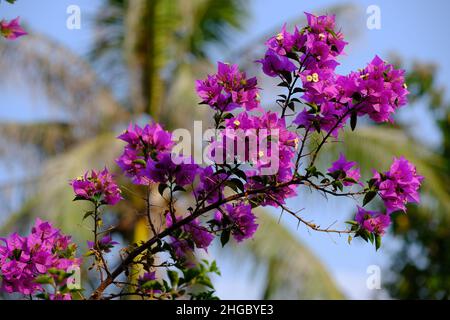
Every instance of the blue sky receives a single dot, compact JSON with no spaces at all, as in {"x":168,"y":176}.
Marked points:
{"x":416,"y":30}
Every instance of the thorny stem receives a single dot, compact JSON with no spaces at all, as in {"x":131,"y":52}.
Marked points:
{"x":97,"y":251}
{"x":309,"y":224}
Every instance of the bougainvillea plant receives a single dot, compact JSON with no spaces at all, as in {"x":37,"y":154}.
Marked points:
{"x":256,"y":158}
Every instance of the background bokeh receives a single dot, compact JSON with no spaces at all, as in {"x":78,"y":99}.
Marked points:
{"x":66,"y":93}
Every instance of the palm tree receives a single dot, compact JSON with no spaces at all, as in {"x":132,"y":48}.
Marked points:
{"x":150,"y":52}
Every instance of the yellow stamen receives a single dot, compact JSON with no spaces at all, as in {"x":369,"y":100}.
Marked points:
{"x":261,"y":154}
{"x":309,"y":78}
{"x":280,"y":36}
{"x":237,"y":123}
{"x":315,"y":77}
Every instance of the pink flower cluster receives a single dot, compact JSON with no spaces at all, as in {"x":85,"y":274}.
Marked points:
{"x":143,"y":144}
{"x":196,"y":236}
{"x":211,"y":186}
{"x":164,"y":170}
{"x":228,"y":89}
{"x":379,"y":89}
{"x":271,"y":135}
{"x":311,"y":54}
{"x":147,"y":158}
{"x":240,"y":218}
{"x":98,"y":187}
{"x":372,"y":221}
{"x":398,"y":186}
{"x":24,"y":259}
{"x":342,"y":170}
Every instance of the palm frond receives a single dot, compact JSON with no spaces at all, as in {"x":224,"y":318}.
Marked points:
{"x":66,"y":80}
{"x":48,"y":137}
{"x":53,"y":196}
{"x":292,"y":271}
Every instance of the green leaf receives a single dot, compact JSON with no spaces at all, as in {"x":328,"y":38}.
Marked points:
{"x":377,"y":242}
{"x":161,"y":188}
{"x":227,"y":116}
{"x":87,"y":215}
{"x":348,"y":179}
{"x":43,"y":296}
{"x":371,"y":237}
{"x":298,"y":89}
{"x":174,"y":277}
{"x":311,"y":170}
{"x":356,"y":97}
{"x":17,"y":253}
{"x":364,"y":234}
{"x":179,"y":188}
{"x":236,"y":184}
{"x":240,"y":174}
{"x":369,"y":197}
{"x":225,"y":237}
{"x":338,"y":185}
{"x":206,"y":282}
{"x":372,"y":182}
{"x":79,"y":198}
{"x":331,"y":31}
{"x":190,"y":274}
{"x":288,"y":76}
{"x":352,"y":222}
{"x":213,"y":268}
{"x":140,"y":161}
{"x":353,"y":120}
{"x":44,"y":279}
{"x":291,"y":106}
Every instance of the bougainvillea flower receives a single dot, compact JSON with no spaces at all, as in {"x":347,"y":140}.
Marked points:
{"x":373,"y":221}
{"x":165,"y":170}
{"x":399,"y":186}
{"x":105,"y":244}
{"x":23,"y":259}
{"x":11,"y":30}
{"x":242,"y":220}
{"x":228,"y":89}
{"x":341,"y":169}
{"x":273,"y":64}
{"x":98,"y":187}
